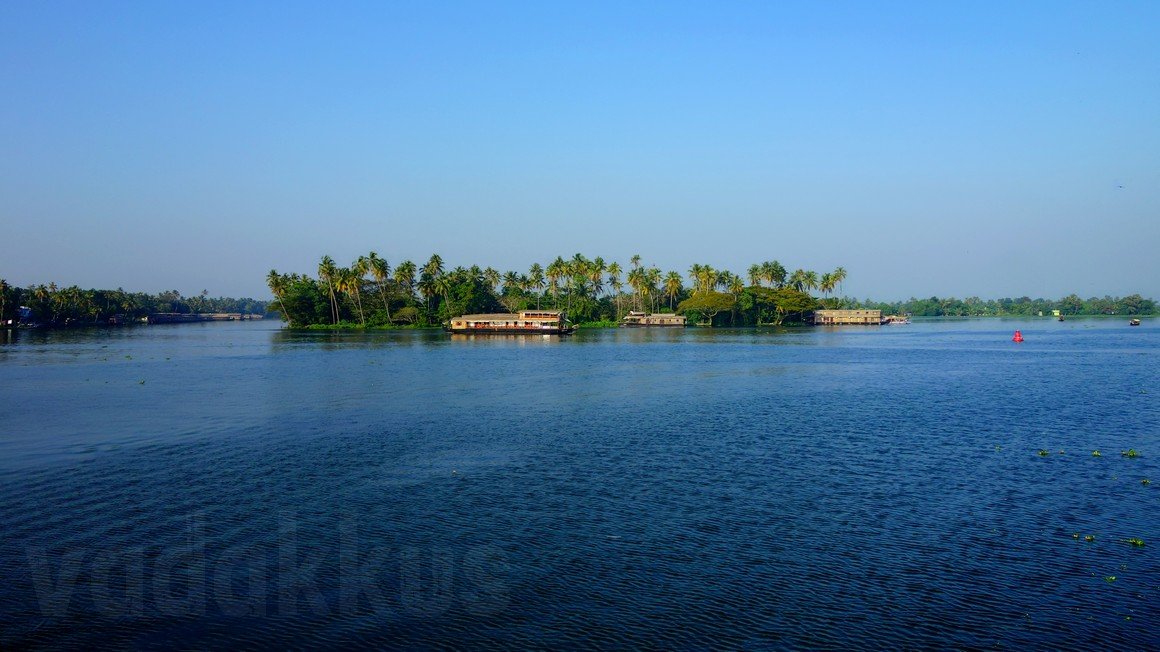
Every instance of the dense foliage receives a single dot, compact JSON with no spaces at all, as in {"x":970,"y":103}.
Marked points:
{"x":55,"y":306}
{"x":370,"y":293}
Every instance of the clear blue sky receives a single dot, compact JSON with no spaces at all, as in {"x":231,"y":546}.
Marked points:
{"x":969,"y":148}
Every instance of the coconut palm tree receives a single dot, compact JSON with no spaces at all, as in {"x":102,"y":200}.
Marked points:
{"x":326,"y":272}
{"x":4,"y":287}
{"x":381,"y":271}
{"x":536,"y":281}
{"x":405,"y":277}
{"x":673,"y":287}
{"x":557,"y":269}
{"x":443,"y":284}
{"x":755,"y":274}
{"x":652,"y":280}
{"x":492,"y":277}
{"x":434,"y":266}
{"x":774,"y":273}
{"x":811,"y":281}
{"x":596,"y":275}
{"x":614,"y":282}
{"x":839,"y":276}
{"x":797,"y":280}
{"x":427,"y":288}
{"x":277,"y":284}
{"x":358,"y":270}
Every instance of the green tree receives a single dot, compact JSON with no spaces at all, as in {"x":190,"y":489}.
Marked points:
{"x":381,"y":272}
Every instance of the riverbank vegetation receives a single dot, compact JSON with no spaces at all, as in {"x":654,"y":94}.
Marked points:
{"x":50,"y":305}
{"x":1021,"y":307}
{"x":370,"y":293}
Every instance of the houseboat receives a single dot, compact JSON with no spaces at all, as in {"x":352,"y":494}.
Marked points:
{"x":642,"y":319}
{"x":848,"y":318}
{"x":527,"y":322}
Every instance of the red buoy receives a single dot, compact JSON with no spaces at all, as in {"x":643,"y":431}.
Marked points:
{"x":1018,"y":336}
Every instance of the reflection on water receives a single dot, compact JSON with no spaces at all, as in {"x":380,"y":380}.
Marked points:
{"x":238,"y":485}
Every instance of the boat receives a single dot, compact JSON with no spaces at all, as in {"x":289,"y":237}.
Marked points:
{"x":1134,"y":322}
{"x":643,"y":320}
{"x":526,"y":322}
{"x":1060,"y":318}
{"x":897,"y":320}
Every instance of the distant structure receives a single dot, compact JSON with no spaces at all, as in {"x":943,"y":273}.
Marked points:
{"x":848,"y":318}
{"x":642,"y":319}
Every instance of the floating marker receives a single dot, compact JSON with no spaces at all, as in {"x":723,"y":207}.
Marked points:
{"x":1018,"y":336}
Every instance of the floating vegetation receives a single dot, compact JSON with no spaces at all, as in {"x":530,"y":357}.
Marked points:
{"x":1075,"y":535}
{"x":140,"y":382}
{"x":1110,"y":578}
{"x":1089,"y":538}
{"x":1044,"y":453}
{"x":998,"y":447}
{"x":1131,"y":452}
{"x":1139,"y":543}
{"x":1145,"y":482}
{"x":1096,"y":454}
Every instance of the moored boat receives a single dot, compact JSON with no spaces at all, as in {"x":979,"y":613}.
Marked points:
{"x":526,"y":322}
{"x":643,"y":319}
{"x":1134,"y":322}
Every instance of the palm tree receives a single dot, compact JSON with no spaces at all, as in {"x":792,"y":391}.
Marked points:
{"x":797,"y":280}
{"x":381,"y":271}
{"x":358,"y":270}
{"x":827,"y":283}
{"x":491,"y":276}
{"x":3,"y":298}
{"x":427,"y":288}
{"x":673,"y":287}
{"x":434,"y":266}
{"x":326,"y":272}
{"x":736,"y":284}
{"x":707,"y":278}
{"x":774,"y":273}
{"x":536,"y":281}
{"x":405,"y":277}
{"x":596,"y":276}
{"x":442,"y":285}
{"x":614,"y":282}
{"x":755,"y":274}
{"x":839,"y":276}
{"x":277,"y":284}
{"x":636,"y":280}
{"x":556,"y":270}
{"x":652,"y":279}
{"x":811,"y":281}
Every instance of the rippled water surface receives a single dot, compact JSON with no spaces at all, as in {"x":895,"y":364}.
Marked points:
{"x":235,"y":485}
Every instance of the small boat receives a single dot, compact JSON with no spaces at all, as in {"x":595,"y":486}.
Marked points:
{"x":1060,"y":318}
{"x":527,"y":322}
{"x":1134,"y":322}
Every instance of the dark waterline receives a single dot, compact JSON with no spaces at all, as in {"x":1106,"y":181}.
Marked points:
{"x":234,"y":485}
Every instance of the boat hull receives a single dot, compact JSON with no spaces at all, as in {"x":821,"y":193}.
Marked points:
{"x":510,"y":331}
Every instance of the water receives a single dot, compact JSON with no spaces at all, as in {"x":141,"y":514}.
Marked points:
{"x":233,"y":485}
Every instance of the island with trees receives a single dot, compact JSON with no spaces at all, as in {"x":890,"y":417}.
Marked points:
{"x":371,"y":293}
{"x":51,"y":306}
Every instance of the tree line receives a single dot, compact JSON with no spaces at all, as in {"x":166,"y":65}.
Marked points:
{"x":1072,"y":304}
{"x":69,"y":306}
{"x":371,"y":293}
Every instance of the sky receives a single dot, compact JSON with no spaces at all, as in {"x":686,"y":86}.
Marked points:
{"x":985,"y":149}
